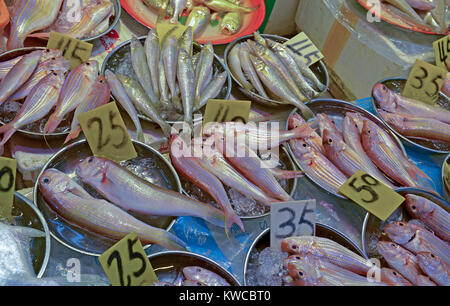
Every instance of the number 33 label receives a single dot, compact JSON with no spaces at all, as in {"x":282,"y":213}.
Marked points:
{"x":374,"y":196}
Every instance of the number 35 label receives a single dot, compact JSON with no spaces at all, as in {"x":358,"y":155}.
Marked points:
{"x":291,"y":219}
{"x":374,"y":196}
{"x":7,"y":185}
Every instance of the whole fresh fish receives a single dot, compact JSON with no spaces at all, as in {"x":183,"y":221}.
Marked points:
{"x":29,"y":16}
{"x":327,"y":250}
{"x":170,"y":57}
{"x":198,"y":19}
{"x":152,"y":51}
{"x":204,"y":276}
{"x":190,"y":169}
{"x":142,"y":71}
{"x":178,"y":6}
{"x":136,"y":195}
{"x":70,"y":201}
{"x":212,"y":90}
{"x":247,"y":162}
{"x":275,"y":85}
{"x":186,"y":80}
{"x":400,"y":259}
{"x":392,"y":102}
{"x":436,"y":268}
{"x":137,"y":95}
{"x":99,"y":95}
{"x":231,"y":23}
{"x":393,"y":278}
{"x":406,"y":8}
{"x":235,"y":67}
{"x":77,"y":86}
{"x":432,"y":215}
{"x":19,"y":75}
{"x":163,"y":86}
{"x":317,"y":166}
{"x":121,"y":96}
{"x":249,"y":70}
{"x":205,"y":68}
{"x":417,"y":239}
{"x":38,"y":104}
{"x":313,"y":139}
{"x":418,"y":127}
{"x":226,"y":6}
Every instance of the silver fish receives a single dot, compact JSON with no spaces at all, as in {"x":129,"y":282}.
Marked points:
{"x":152,"y":52}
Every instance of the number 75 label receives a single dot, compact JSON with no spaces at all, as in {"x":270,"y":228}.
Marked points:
{"x":373,"y":195}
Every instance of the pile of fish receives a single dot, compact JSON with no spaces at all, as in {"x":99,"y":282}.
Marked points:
{"x":420,"y":13}
{"x":332,"y":157}
{"x":195,"y":276}
{"x":412,"y":118}
{"x":271,"y":70}
{"x":201,"y":12}
{"x":37,"y":18}
{"x":212,"y":163}
{"x":418,"y":250}
{"x":35,"y":85}
{"x":170,"y":80}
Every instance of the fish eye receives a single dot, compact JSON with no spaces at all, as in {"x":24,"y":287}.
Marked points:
{"x":47,"y":50}
{"x":301,"y":274}
{"x":297,"y":257}
{"x":101,"y":81}
{"x":88,"y":64}
{"x":414,"y":207}
{"x":199,"y":270}
{"x":46,"y":180}
{"x":384,"y":87}
{"x":395,"y":273}
{"x":53,"y":58}
{"x":432,"y":256}
{"x":401,"y":224}
{"x":294,"y":247}
{"x":393,"y":245}
{"x":55,"y":74}
{"x":90,"y":160}
{"x":304,"y":145}
{"x":330,"y":140}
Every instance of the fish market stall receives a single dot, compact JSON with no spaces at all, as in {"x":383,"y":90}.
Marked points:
{"x":187,"y":126}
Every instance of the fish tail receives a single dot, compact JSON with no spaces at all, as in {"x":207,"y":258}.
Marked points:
{"x":7,"y":135}
{"x":40,"y":35}
{"x":52,"y":124}
{"x":234,"y":219}
{"x":16,"y":43}
{"x":73,"y":135}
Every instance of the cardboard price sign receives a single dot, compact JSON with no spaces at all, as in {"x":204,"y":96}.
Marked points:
{"x":107,"y":134}
{"x":441,"y":51}
{"x":165,"y":30}
{"x":227,"y":111}
{"x":74,"y":50}
{"x":374,"y":196}
{"x":8,"y":170}
{"x":304,"y":47}
{"x":289,"y":219}
{"x":425,"y":82}
{"x":126,"y":264}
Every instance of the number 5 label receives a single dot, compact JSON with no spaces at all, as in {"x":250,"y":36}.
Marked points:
{"x":7,"y":185}
{"x":373,"y":195}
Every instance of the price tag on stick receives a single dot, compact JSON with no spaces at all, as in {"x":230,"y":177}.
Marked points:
{"x":75,"y":50}
{"x":107,"y":134}
{"x":165,"y":30}
{"x":290,"y":219}
{"x":227,"y":111}
{"x":8,"y":169}
{"x":441,"y":51}
{"x":126,"y":264}
{"x":373,"y":195}
{"x":304,"y":47}
{"x":425,"y":82}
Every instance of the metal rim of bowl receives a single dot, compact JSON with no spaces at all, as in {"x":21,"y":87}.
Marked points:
{"x":255,"y":96}
{"x":145,"y":118}
{"x":446,"y":192}
{"x":46,"y":231}
{"x":197,"y":256}
{"x":34,"y":135}
{"x":67,"y":148}
{"x":327,"y":227}
{"x":118,"y":13}
{"x":355,"y":108}
{"x":406,"y":190}
{"x":411,"y":143}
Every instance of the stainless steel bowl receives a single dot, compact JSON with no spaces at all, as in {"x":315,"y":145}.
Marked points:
{"x":336,"y":110}
{"x":35,"y":135}
{"x":424,"y":146}
{"x":319,"y":69}
{"x":263,"y":241}
{"x":117,"y":14}
{"x":445,"y":191}
{"x":27,"y":215}
{"x":372,"y":229}
{"x":82,"y":240}
{"x":172,"y":263}
{"x":122,"y":53}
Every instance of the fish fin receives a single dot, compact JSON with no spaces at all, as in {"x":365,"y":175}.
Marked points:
{"x":52,"y":124}
{"x":73,"y":135}
{"x":8,"y":134}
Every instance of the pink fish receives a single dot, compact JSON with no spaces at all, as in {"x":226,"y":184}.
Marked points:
{"x":436,"y":268}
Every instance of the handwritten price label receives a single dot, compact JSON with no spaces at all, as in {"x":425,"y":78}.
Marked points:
{"x":106,"y":133}
{"x":74,"y":50}
{"x":425,"y":82}
{"x":8,"y":169}
{"x":165,"y":30}
{"x":290,"y":219}
{"x":373,"y":195}
{"x":441,"y":51}
{"x":304,"y":47}
{"x":125,"y":264}
{"x":227,"y":111}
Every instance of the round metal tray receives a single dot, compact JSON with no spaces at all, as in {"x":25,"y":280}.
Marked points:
{"x":319,"y":69}
{"x":445,"y":191}
{"x":336,"y":110}
{"x":79,"y":239}
{"x":263,"y":241}
{"x":173,"y":262}
{"x":372,"y":228}
{"x":424,"y":146}
{"x":27,"y":215}
{"x":122,"y":53}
